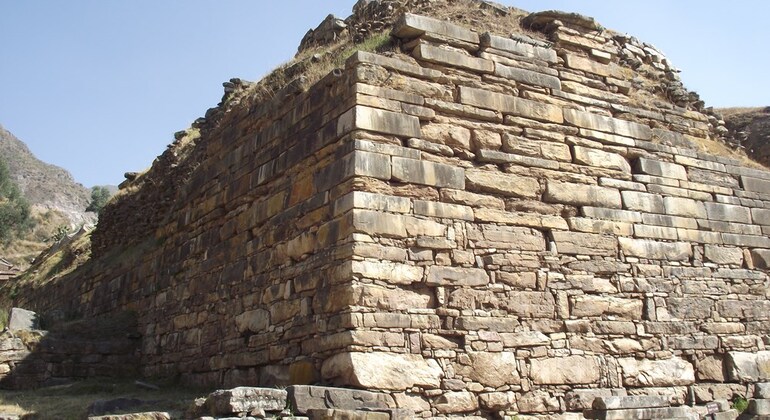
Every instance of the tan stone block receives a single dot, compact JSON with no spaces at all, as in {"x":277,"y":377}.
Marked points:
{"x":380,"y":370}
{"x":442,"y":210}
{"x":456,"y":402}
{"x":498,"y":183}
{"x":511,"y":105}
{"x":471,"y":199}
{"x":413,"y":26}
{"x":254,"y":321}
{"x":650,"y":203}
{"x":395,"y":273}
{"x":603,"y":123}
{"x":489,"y":140}
{"x":665,"y":372}
{"x":570,"y":370}
{"x":606,"y":227}
{"x":660,"y":168}
{"x":365,"y":118}
{"x":456,"y":276}
{"x":585,"y":64}
{"x":597,"y":306}
{"x":452,"y":58}
{"x":428,"y":173}
{"x":581,"y":195}
{"x":528,"y":77}
{"x":448,"y":134}
{"x":584,"y":243}
{"x":506,"y":237}
{"x":538,"y":401}
{"x":601,"y":159}
{"x":372,"y":201}
{"x":521,"y":219}
{"x":643,"y":248}
{"x":490,"y":369}
{"x":379,"y":297}
{"x":523,"y":46}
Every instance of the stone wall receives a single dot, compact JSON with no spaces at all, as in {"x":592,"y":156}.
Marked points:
{"x":483,"y":225}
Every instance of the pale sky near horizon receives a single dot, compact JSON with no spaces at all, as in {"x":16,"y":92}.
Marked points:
{"x":98,"y":87}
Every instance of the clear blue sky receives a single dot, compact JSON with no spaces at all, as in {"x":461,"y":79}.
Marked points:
{"x":100,"y":86}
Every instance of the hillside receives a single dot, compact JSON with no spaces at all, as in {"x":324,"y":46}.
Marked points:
{"x":749,"y":128}
{"x":56,"y":200}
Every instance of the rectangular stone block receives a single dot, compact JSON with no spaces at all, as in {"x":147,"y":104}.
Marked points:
{"x":452,"y":58}
{"x":611,"y":214}
{"x":379,"y":120}
{"x":519,"y":47}
{"x":372,"y":201}
{"x":413,"y":26}
{"x":570,"y":370}
{"x":685,"y":207}
{"x":456,"y":276}
{"x":672,"y":413}
{"x":650,"y":203}
{"x":654,"y":250}
{"x":506,"y":237}
{"x":601,"y":159}
{"x":391,"y":272}
{"x":513,"y":105}
{"x":581,"y":195}
{"x":659,"y":168}
{"x":585,"y":243}
{"x":606,"y":124}
{"x":655,"y":232}
{"x":727,"y":213}
{"x":577,"y":62}
{"x":357,"y":163}
{"x":428,"y":173}
{"x":598,"y":306}
{"x":528,"y":77}
{"x":761,"y":216}
{"x":632,"y":401}
{"x":498,"y":183}
{"x":759,"y":407}
{"x":752,"y":241}
{"x":663,"y":372}
{"x":755,"y":184}
{"x":442,"y":210}
{"x":531,"y":304}
{"x":582,"y":224}
{"x":669,"y":221}
{"x":748,"y":367}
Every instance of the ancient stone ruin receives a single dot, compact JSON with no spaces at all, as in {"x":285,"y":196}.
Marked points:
{"x":474,"y":224}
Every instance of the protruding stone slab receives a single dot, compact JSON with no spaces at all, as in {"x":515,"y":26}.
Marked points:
{"x":245,"y":399}
{"x":509,"y":185}
{"x":606,"y":124}
{"x":527,"y":76}
{"x":659,"y":168}
{"x":572,"y":370}
{"x":650,"y":203}
{"x":365,"y":118}
{"x":22,"y":319}
{"x":452,"y":58}
{"x":665,"y":372}
{"x":307,"y":397}
{"x":755,"y":184}
{"x":601,"y":159}
{"x":428,"y":173}
{"x":382,"y":370}
{"x":632,"y":401}
{"x":585,"y":243}
{"x":516,"y":46}
{"x":456,"y":276}
{"x":508,"y":104}
{"x":581,"y":195}
{"x":727,"y":213}
{"x":644,"y":413}
{"x":413,"y":26}
{"x":654,"y":250}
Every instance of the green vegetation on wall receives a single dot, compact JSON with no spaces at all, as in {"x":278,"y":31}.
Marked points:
{"x":99,"y":198}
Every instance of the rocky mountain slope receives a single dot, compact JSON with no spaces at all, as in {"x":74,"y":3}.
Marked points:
{"x":56,"y":200}
{"x":749,"y":128}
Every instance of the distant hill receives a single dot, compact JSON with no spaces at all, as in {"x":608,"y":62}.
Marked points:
{"x":57,"y":201}
{"x":749,"y":128}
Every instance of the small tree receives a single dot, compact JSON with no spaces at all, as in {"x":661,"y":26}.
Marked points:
{"x":99,"y":198}
{"x":14,"y":209}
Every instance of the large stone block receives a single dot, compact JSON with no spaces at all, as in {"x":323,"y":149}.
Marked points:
{"x":650,"y":203}
{"x":727,"y":213}
{"x":379,"y":120}
{"x":391,"y":272}
{"x":665,"y":372}
{"x":659,"y":168}
{"x":413,"y":26}
{"x":448,"y":134}
{"x":632,"y":401}
{"x":531,"y":304}
{"x":428,"y":173}
{"x":598,"y":306}
{"x":570,"y":370}
{"x":723,"y":254}
{"x":755,"y":184}
{"x":372,"y":201}
{"x":581,"y":195}
{"x":585,"y":64}
{"x":244,"y":399}
{"x":748,"y":367}
{"x":254,"y":321}
{"x":456,"y":402}
{"x":761,"y":216}
{"x":601,"y":159}
{"x":21,"y":319}
{"x":442,"y":210}
{"x":585,"y":243}
{"x":308,"y":397}
{"x":513,"y":105}
{"x":528,"y":77}
{"x":654,"y":250}
{"x":518,"y":47}
{"x":452,"y":58}
{"x":490,"y":369}
{"x":509,"y":185}
{"x":685,"y":207}
{"x":506,"y":237}
{"x":456,"y":276}
{"x":380,"y":370}
{"x":606,"y":124}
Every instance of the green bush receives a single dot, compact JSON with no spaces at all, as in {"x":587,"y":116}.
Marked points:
{"x":14,"y":209}
{"x":99,"y":198}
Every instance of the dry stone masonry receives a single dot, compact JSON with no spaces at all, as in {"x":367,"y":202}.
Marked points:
{"x":480,"y":225}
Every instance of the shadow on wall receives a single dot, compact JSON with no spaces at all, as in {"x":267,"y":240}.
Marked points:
{"x":98,"y":348}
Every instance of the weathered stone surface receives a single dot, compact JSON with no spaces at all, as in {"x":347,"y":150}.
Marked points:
{"x":606,"y":124}
{"x":581,"y":195}
{"x":633,"y":401}
{"x":581,"y":63}
{"x":452,"y":58}
{"x":392,"y":272}
{"x":601,"y":159}
{"x":584,"y":243}
{"x":538,"y":401}
{"x":595,"y":306}
{"x":303,"y":398}
{"x":382,"y":370}
{"x":442,"y":210}
{"x":759,"y":407}
{"x":648,"y":413}
{"x":650,"y":203}
{"x":412,"y":26}
{"x":21,"y":319}
{"x":509,"y":185}
{"x":428,"y":173}
{"x":755,"y":184}
{"x":472,"y":199}
{"x":366,"y":200}
{"x":571,"y":370}
{"x":365,"y":118}
{"x":506,"y":237}
{"x":748,"y":367}
{"x":244,"y":400}
{"x":497,"y":401}
{"x":336,"y":414}
{"x":643,"y":248}
{"x":518,"y":47}
{"x":727,"y":213}
{"x":762,"y":390}
{"x":684,"y":207}
{"x":448,"y":134}
{"x":511,"y":105}
{"x":491,"y":369}
{"x":527,"y":76}
{"x":664,"y":372}
{"x":723,"y":254}
{"x":456,"y":276}
{"x":253,"y":321}
{"x":456,"y":402}
{"x":659,"y":168}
